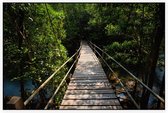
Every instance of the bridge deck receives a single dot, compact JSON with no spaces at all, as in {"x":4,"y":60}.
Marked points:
{"x":89,"y":87}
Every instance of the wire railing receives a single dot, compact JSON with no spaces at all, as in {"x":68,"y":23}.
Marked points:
{"x":56,"y":91}
{"x":46,"y":81}
{"x":93,"y":46}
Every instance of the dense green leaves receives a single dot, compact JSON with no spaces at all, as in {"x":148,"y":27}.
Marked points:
{"x":112,"y":29}
{"x":40,"y":51}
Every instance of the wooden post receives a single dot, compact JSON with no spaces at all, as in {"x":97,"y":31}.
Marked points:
{"x":15,"y":103}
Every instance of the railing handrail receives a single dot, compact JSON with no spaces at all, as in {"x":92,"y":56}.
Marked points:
{"x":132,"y":99}
{"x":59,"y":86}
{"x":150,"y":90}
{"x":44,"y":83}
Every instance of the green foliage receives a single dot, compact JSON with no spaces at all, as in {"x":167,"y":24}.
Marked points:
{"x":123,"y":29}
{"x":41,"y":51}
{"x":112,"y":29}
{"x":129,"y":45}
{"x":120,"y":28}
{"x":113,"y":47}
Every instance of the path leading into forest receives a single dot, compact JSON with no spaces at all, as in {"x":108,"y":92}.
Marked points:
{"x":89,"y":87}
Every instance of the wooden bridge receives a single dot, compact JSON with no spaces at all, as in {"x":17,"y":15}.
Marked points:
{"x":89,"y":87}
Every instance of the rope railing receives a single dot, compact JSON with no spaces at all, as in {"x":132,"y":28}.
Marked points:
{"x":44,"y":83}
{"x":144,"y":85}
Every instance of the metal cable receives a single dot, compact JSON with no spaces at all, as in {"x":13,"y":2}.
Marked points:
{"x":150,"y":90}
{"x":44,"y":83}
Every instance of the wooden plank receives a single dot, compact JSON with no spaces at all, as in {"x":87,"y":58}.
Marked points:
{"x":85,"y":63}
{"x":88,"y":55}
{"x":90,"y":96}
{"x":90,"y":60}
{"x":89,"y":75}
{"x":89,"y":91}
{"x":91,"y":84}
{"x":90,"y":78}
{"x":97,"y":69}
{"x":71,"y":87}
{"x":91,"y":107}
{"x":98,"y":74}
{"x":91,"y":72}
{"x":88,"y":66}
{"x":72,"y":81}
{"x":87,"y":59}
{"x":91,"y":102}
{"x":91,"y":67}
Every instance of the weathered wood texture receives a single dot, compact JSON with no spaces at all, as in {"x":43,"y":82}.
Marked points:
{"x":91,"y":107}
{"x":89,"y":87}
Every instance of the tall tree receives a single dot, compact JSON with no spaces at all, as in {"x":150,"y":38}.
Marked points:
{"x":32,"y":43}
{"x":154,"y":54}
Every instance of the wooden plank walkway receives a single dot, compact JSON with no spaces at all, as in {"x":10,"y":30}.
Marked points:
{"x":89,"y":87}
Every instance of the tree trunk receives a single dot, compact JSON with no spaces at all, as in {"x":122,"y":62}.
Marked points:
{"x":154,"y":54}
{"x":19,"y":25}
{"x":162,"y":88}
{"x":140,"y":40}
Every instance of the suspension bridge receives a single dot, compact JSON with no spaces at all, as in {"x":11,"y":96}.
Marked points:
{"x":89,"y":87}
